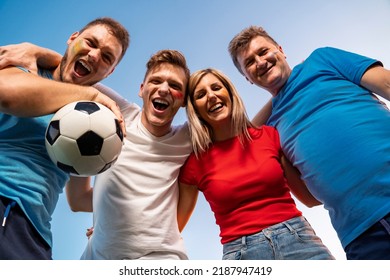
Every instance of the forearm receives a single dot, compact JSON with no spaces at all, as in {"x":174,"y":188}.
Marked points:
{"x":79,"y":194}
{"x":26,"y":95}
{"x":29,"y":56}
{"x":297,"y":186}
{"x":188,"y":196}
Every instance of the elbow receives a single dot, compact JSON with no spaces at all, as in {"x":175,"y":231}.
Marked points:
{"x":79,"y":206}
{"x":311,"y":203}
{"x":6,"y":103}
{"x":74,"y":207}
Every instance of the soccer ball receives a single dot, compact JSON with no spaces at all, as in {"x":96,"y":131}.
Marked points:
{"x":84,"y":138}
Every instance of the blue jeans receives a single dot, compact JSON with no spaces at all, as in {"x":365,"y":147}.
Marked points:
{"x":373,"y":244}
{"x":293,"y":239}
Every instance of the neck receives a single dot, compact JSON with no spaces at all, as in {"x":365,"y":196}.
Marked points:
{"x":223,"y":132}
{"x":56,"y":74}
{"x":156,"y":130}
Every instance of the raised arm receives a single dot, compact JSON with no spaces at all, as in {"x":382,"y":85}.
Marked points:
{"x":79,"y":194}
{"x":377,"y":80}
{"x":263,"y":115}
{"x":188,"y":195}
{"x":297,"y":186}
{"x":27,"y":95}
{"x":29,"y":56}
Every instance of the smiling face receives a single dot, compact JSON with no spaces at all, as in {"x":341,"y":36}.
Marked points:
{"x":90,"y":57}
{"x":212,"y":101}
{"x":162,"y":93}
{"x":264,"y":64}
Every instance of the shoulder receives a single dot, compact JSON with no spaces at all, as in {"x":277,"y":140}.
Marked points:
{"x":265,"y":134}
{"x":181,"y":129}
{"x":326,"y":49}
{"x":264,"y":129}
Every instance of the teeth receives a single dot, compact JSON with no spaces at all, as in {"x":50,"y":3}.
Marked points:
{"x":85,"y":65}
{"x":161,"y":101}
{"x":215,"y":107}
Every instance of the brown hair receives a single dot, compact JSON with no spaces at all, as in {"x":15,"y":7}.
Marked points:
{"x":167,"y":56}
{"x":242,"y":40}
{"x":117,"y":30}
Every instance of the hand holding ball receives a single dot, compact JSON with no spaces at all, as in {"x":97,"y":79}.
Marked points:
{"x":84,"y":138}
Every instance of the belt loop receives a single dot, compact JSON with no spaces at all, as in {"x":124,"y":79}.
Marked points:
{"x":290,"y":228}
{"x":243,"y":240}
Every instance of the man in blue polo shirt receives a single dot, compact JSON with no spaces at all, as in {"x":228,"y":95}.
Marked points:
{"x":333,"y":129}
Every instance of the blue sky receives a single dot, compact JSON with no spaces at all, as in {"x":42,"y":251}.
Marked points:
{"x":201,"y":29}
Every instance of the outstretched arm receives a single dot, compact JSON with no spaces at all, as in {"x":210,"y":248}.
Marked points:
{"x":188,"y":195}
{"x":28,"y":56}
{"x":297,"y":185}
{"x":79,"y":194}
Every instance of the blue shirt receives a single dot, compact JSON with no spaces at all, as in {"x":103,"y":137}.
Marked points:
{"x":338,"y":135}
{"x":27,"y":175}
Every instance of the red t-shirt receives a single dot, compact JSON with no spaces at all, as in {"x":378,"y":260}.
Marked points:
{"x":244,"y":185}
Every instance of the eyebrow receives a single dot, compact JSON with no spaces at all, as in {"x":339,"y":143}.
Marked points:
{"x":106,"y":49}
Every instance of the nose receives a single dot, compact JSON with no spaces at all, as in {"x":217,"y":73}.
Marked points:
{"x":260,"y":61}
{"x":211,"y":95}
{"x":164,"y":87}
{"x":93,"y":55}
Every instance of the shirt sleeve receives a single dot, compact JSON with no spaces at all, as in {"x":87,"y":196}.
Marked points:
{"x":188,"y":171}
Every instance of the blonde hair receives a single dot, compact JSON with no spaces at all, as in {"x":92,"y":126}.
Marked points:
{"x":201,"y":132}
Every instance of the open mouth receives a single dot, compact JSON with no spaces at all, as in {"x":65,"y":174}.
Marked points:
{"x":81,"y":68}
{"x":160,"y":104}
{"x":215,"y":107}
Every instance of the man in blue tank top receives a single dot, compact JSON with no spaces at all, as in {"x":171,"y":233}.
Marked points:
{"x":29,"y":182}
{"x":333,"y":129}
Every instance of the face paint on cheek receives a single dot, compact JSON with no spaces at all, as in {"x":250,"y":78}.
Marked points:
{"x":177,"y":94}
{"x":78,"y":46}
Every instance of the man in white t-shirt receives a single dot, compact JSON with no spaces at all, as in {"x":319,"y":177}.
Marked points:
{"x":135,"y":201}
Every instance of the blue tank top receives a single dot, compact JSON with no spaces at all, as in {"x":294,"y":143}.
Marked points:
{"x":27,"y":175}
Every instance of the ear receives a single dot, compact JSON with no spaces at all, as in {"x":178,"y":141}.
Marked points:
{"x":73,"y":36}
{"x":140,"y":90}
{"x":112,"y":70}
{"x":281,"y":50}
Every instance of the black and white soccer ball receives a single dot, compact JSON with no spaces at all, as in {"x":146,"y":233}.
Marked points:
{"x":84,"y":138}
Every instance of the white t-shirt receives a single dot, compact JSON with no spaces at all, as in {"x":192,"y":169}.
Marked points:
{"x":135,"y":201}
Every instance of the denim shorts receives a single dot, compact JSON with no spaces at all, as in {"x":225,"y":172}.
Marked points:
{"x":373,"y":244}
{"x":293,"y":239}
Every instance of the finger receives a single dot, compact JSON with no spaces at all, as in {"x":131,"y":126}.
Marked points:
{"x":121,"y":120}
{"x":115,"y":109}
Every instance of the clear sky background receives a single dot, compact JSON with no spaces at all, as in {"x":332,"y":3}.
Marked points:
{"x":201,"y":29}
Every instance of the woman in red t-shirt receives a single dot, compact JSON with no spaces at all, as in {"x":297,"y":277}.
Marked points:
{"x":243,"y":175}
